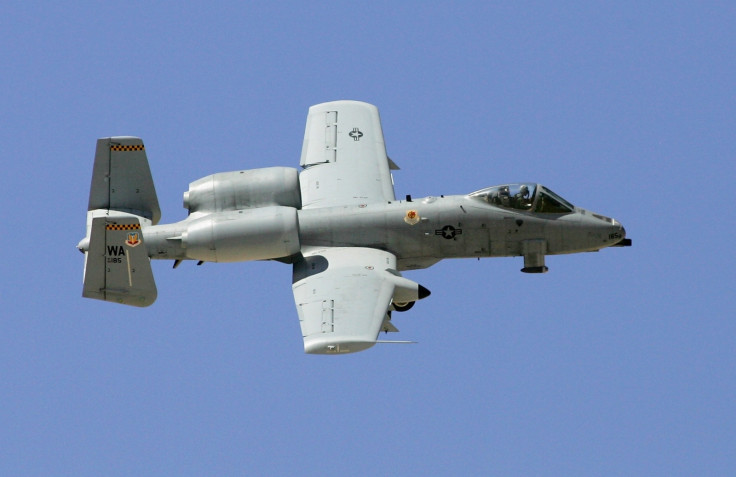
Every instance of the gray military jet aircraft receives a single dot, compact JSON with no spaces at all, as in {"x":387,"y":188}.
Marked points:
{"x":336,"y":222}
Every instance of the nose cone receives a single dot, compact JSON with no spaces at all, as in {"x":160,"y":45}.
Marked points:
{"x":602,"y":231}
{"x":624,"y":242}
{"x":584,"y":231}
{"x":616,"y":231}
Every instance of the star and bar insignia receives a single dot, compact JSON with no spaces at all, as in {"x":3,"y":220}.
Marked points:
{"x":448,"y":232}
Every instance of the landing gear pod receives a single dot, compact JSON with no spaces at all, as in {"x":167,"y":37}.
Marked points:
{"x":533,"y":251}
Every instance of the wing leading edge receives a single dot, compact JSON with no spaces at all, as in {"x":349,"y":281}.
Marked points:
{"x":343,"y":295}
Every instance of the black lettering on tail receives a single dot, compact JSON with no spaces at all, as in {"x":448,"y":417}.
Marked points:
{"x":115,"y":250}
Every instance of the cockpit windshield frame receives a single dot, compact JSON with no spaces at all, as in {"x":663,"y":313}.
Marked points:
{"x":551,"y":203}
{"x":525,"y":197}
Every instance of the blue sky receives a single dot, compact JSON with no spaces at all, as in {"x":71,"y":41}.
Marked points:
{"x":614,"y":363}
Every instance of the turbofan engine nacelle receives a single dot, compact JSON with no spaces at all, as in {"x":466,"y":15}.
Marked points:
{"x":244,"y":190}
{"x":242,"y":235}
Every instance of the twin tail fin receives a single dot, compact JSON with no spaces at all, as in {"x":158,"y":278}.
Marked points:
{"x":122,"y":203}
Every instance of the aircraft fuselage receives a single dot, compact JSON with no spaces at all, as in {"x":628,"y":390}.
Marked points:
{"x":419,"y":232}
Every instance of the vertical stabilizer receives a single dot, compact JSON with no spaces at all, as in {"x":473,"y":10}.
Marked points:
{"x":122,"y":202}
{"x":117,"y":267}
{"x":121,"y":179}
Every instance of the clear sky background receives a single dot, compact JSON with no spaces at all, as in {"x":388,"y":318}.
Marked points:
{"x":614,"y":363}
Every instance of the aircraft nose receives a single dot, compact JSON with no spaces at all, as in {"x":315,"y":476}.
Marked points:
{"x":616,"y":236}
{"x":624,"y":242}
{"x":604,"y":231}
{"x":616,"y":231}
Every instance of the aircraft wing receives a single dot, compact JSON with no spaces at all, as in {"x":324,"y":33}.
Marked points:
{"x":344,"y":156}
{"x":342,"y":296}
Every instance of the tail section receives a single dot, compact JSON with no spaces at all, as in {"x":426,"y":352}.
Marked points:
{"x":121,"y":179}
{"x":122,"y":203}
{"x":117,"y":267}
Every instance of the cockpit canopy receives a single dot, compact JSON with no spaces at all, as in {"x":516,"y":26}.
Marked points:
{"x":525,"y":196}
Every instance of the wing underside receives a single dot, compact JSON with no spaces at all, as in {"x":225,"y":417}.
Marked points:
{"x":343,"y":296}
{"x":344,"y":156}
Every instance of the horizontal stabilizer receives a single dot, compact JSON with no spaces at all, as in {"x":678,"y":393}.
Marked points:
{"x":117,"y":266}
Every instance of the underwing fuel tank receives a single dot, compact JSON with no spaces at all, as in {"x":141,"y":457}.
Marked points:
{"x":251,"y":234}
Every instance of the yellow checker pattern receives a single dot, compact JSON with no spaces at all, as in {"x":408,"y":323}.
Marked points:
{"x":122,"y":227}
{"x":121,"y":148}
